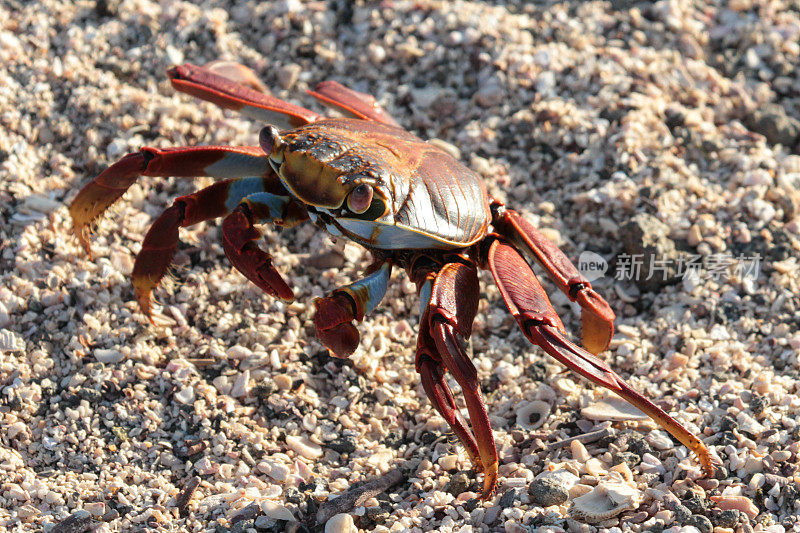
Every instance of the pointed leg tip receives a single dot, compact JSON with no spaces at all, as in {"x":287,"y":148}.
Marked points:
{"x":489,"y":481}
{"x":81,"y":232}
{"x":714,"y":468}
{"x":710,"y":463}
{"x":143,"y":297}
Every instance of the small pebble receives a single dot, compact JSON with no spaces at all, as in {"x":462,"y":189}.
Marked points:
{"x":276,"y":511}
{"x":96,"y":509}
{"x":240,"y":386}
{"x":489,"y":95}
{"x":77,"y":522}
{"x":340,"y":523}
{"x":739,"y":503}
{"x":508,"y":498}
{"x":185,"y":395}
{"x":288,"y":74}
{"x":545,"y":492}
{"x":304,"y":447}
{"x":283,"y":382}
{"x":491,"y":514}
{"x":728,"y":518}
{"x":448,"y":462}
{"x":612,"y":408}
{"x":27,"y":511}
{"x":458,"y":483}
{"x":700,"y":522}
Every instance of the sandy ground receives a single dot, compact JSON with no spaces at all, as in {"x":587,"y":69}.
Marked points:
{"x":666,"y":132}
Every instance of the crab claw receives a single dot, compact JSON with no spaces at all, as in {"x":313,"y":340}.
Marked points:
{"x":597,"y":319}
{"x":238,"y":241}
{"x":334,"y":323}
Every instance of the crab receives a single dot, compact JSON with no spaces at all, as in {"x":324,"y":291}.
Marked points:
{"x":410,"y":203}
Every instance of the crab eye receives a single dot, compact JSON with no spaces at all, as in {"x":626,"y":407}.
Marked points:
{"x":360,"y":199}
{"x":269,"y":139}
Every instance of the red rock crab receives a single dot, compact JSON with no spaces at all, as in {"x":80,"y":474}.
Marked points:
{"x":410,"y":203}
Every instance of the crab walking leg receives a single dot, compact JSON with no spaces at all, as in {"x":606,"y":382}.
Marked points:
{"x":432,"y":372}
{"x":239,"y":237}
{"x":184,"y":162}
{"x":161,"y":241}
{"x":335,"y":313}
{"x":350,"y":102}
{"x":597,"y":318}
{"x":236,"y":72}
{"x":228,"y":93}
{"x":438,"y":391}
{"x":445,"y":327}
{"x":528,"y":303}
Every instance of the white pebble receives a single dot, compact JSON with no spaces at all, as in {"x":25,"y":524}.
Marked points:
{"x":27,"y":511}
{"x":239,"y":352}
{"x":42,"y":204}
{"x":277,"y":511}
{"x":448,"y":462}
{"x":15,"y":492}
{"x":108,"y":356}
{"x":612,"y":408}
{"x":304,"y":447}
{"x":175,"y":55}
{"x":277,"y":471}
{"x":340,"y":523}
{"x":15,"y":429}
{"x":546,"y":83}
{"x":10,"y":341}
{"x":659,"y":440}
{"x":185,"y":396}
{"x":240,"y":388}
{"x":96,"y":509}
{"x":116,"y":149}
{"x":222,"y":384}
{"x":579,"y":451}
{"x":205,"y":467}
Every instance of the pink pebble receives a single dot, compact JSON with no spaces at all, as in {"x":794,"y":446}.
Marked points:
{"x":742,"y":503}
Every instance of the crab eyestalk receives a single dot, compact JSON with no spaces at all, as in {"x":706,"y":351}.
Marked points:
{"x":270,"y":141}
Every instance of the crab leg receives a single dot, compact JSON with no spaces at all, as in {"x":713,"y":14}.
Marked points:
{"x":335,"y":313}
{"x":597,"y":318}
{"x":350,"y":102}
{"x":528,"y":303}
{"x":235,"y":93}
{"x":185,"y":162}
{"x":445,"y":327}
{"x":438,"y":391}
{"x":161,"y":241}
{"x":239,"y":237}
